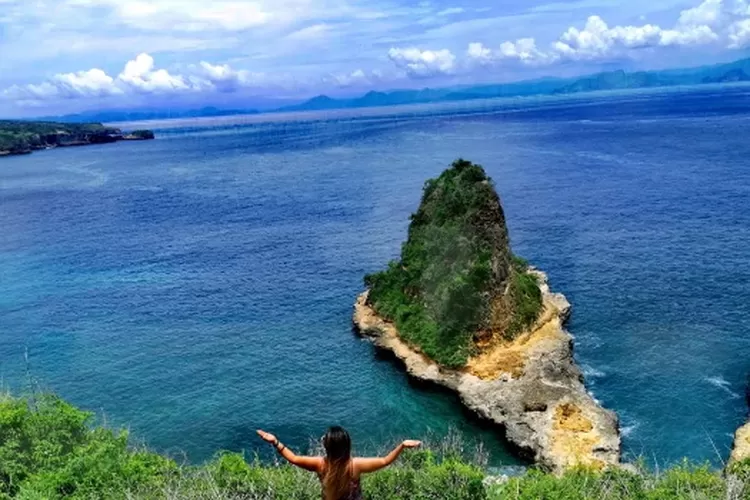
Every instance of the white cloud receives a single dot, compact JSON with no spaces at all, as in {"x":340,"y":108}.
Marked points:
{"x":93,"y":82}
{"x":451,"y":11}
{"x":222,"y":77}
{"x":739,"y":34}
{"x":742,"y":8}
{"x":597,"y":41}
{"x":189,"y":15}
{"x":140,"y":76}
{"x":524,"y":50}
{"x":479,"y":53}
{"x":357,"y":78}
{"x":310,"y":32}
{"x":285,"y":38}
{"x":694,"y":35}
{"x":708,"y":13}
{"x":423,"y":63}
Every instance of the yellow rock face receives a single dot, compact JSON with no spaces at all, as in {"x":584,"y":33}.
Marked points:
{"x":741,"y":450}
{"x":529,"y":385}
{"x":574,"y":436}
{"x":499,"y":356}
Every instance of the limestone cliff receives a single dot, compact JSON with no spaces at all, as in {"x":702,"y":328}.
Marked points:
{"x":741,"y":448}
{"x":461,"y":311}
{"x":531,"y":386}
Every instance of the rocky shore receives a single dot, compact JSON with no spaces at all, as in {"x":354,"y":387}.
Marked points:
{"x":741,"y":448}
{"x":19,"y":138}
{"x":531,"y":386}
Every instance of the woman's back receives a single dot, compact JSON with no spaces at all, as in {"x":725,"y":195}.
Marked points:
{"x":347,"y":487}
{"x":338,"y":472}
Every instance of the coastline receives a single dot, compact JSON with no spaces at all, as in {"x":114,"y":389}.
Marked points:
{"x":741,"y":446}
{"x":531,"y":387}
{"x":64,"y":139}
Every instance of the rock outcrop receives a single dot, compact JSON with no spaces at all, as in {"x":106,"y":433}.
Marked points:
{"x":531,"y":386}
{"x":741,"y":448}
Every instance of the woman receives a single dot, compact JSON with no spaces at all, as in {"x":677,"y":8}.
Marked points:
{"x":339,"y":473}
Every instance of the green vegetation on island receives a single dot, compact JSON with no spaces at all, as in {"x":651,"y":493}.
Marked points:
{"x":22,"y":137}
{"x":141,"y":134}
{"x":457,"y":281}
{"x":51,"y":450}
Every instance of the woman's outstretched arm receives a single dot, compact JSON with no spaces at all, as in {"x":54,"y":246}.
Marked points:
{"x":313,"y":464}
{"x":365,"y":465}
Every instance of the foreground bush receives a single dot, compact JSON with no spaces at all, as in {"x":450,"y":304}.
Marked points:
{"x":49,"y":450}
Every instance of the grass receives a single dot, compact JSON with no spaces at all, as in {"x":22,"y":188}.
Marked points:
{"x":51,"y":450}
{"x":454,"y":266}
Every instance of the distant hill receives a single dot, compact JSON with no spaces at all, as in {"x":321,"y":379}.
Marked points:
{"x":109,"y":116}
{"x":732,"y":72}
{"x":738,"y":71}
{"x":735,"y":75}
{"x":371,"y":99}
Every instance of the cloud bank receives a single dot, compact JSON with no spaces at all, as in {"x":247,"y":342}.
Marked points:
{"x":140,"y":76}
{"x":721,"y":24}
{"x":717,"y":25}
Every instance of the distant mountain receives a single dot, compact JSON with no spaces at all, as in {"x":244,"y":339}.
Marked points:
{"x":371,"y":99}
{"x":109,"y":116}
{"x":735,"y":75}
{"x":738,"y":71}
{"x":732,"y":72}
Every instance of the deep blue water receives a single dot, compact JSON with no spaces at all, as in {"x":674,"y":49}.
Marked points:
{"x":200,"y":286}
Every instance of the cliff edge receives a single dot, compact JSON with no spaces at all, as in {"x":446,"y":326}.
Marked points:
{"x":741,"y":448}
{"x":460,"y":310}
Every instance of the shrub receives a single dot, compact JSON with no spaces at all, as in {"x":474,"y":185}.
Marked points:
{"x":143,"y":134}
{"x":49,"y":451}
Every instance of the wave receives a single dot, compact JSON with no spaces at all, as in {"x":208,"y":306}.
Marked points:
{"x":591,"y":372}
{"x":722,"y":384}
{"x":628,"y":430}
{"x":98,"y":178}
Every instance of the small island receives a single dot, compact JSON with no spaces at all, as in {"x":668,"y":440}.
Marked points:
{"x":461,"y":311}
{"x":23,"y":137}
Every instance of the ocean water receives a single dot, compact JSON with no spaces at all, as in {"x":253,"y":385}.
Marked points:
{"x":200,"y":286}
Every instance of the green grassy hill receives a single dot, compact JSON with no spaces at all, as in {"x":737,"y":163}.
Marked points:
{"x":51,"y":450}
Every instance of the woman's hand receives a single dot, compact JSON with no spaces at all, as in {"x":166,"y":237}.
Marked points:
{"x":267,"y":437}
{"x":411,"y":443}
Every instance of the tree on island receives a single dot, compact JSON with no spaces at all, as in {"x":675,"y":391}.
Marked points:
{"x":142,"y":134}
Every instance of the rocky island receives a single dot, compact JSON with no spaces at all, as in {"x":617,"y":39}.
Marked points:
{"x":23,"y":137}
{"x":461,"y":311}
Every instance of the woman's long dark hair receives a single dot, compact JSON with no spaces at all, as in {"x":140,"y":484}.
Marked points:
{"x":337,"y":476}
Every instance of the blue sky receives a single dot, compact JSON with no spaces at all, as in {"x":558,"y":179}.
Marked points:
{"x":71,"y":55}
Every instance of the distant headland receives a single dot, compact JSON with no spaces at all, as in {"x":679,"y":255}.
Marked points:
{"x":23,"y":137}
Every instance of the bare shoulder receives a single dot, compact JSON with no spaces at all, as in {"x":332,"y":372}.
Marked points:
{"x":363,"y":465}
{"x":313,"y":464}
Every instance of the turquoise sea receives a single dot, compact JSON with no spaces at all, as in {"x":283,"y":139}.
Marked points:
{"x":200,"y":286}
